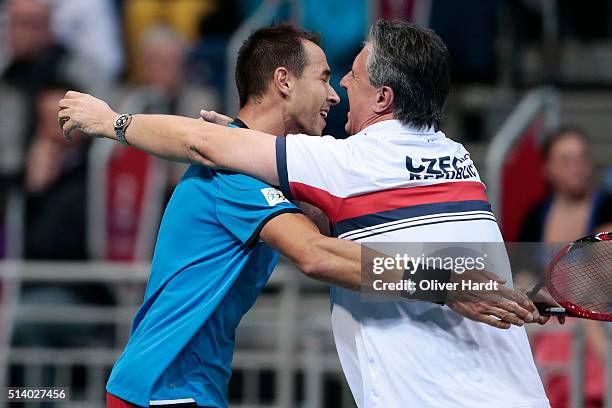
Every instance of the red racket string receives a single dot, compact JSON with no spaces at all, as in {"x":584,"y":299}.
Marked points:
{"x":580,"y":280}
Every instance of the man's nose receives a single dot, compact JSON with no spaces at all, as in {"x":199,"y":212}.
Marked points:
{"x":333,"y":98}
{"x":343,"y":82}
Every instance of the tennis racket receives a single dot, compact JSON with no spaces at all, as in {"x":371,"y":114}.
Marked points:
{"x":579,"y":278}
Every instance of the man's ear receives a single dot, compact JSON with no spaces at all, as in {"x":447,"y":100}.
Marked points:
{"x":281,"y":81}
{"x":384,"y":100}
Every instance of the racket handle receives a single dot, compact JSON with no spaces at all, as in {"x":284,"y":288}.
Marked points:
{"x":553,"y":311}
{"x":536,"y":289}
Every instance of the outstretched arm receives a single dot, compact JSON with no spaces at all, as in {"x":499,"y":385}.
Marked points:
{"x":176,"y":138}
{"x":254,"y":153}
{"x":333,"y":260}
{"x":342,"y":262}
{"x":327,"y":259}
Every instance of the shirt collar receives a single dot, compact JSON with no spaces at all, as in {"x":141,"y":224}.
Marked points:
{"x":239,"y":123}
{"x":394,"y":126}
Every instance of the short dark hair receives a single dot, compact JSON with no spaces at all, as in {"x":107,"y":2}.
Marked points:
{"x":551,"y":139}
{"x":414,"y":62}
{"x":265,"y":50}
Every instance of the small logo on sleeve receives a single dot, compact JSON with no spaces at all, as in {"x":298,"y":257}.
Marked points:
{"x":273,"y":196}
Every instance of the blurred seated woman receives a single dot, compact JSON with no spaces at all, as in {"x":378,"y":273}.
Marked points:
{"x":575,"y":207}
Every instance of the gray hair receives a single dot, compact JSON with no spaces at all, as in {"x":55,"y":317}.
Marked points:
{"x":414,"y":62}
{"x":161,"y":34}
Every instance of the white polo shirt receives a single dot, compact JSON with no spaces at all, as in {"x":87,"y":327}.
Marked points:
{"x":394,"y":183}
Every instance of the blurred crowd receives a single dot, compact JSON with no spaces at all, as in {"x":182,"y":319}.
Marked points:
{"x":54,"y":46}
{"x":87,"y":199}
{"x":160,"y":56}
{"x":146,"y":56}
{"x":574,"y":206}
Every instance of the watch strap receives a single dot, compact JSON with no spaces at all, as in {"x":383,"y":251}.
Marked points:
{"x":121,"y":124}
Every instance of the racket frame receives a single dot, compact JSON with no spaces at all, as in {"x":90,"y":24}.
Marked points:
{"x":570,"y":309}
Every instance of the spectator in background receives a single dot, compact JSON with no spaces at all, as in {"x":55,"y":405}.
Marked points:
{"x":55,"y":195}
{"x":184,"y":16}
{"x":13,"y":115}
{"x":55,"y":186}
{"x":91,"y":29}
{"x":573,"y":196}
{"x":36,"y":57}
{"x":162,"y":83}
{"x":30,"y":59}
{"x":574,"y":208}
{"x":33,"y":58}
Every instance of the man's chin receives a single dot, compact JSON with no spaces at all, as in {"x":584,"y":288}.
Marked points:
{"x":312,"y":132}
{"x":347,"y":128}
{"x":318,"y":131}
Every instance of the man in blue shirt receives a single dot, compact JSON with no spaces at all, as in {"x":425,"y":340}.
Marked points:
{"x":208,"y":268}
{"x":209,"y":264}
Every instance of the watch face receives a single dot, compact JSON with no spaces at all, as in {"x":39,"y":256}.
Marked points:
{"x":121,"y":121}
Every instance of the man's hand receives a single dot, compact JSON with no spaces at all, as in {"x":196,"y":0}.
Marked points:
{"x":176,"y":138}
{"x":216,"y":118}
{"x":543,"y":300}
{"x":501,"y":315}
{"x":493,"y":287}
{"x":89,"y":114}
{"x":499,"y":307}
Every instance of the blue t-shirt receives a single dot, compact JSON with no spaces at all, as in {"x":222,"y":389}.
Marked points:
{"x":208,"y":268}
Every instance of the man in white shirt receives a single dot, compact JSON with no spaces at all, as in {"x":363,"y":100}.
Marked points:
{"x":395,"y":180}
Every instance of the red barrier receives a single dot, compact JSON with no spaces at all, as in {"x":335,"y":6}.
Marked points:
{"x":523,"y":182}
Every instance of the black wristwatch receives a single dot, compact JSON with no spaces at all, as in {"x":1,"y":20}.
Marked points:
{"x":121,"y":124}
{"x":441,"y":276}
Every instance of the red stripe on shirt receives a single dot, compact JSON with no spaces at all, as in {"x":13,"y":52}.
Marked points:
{"x":342,"y":208}
{"x":116,"y":402}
